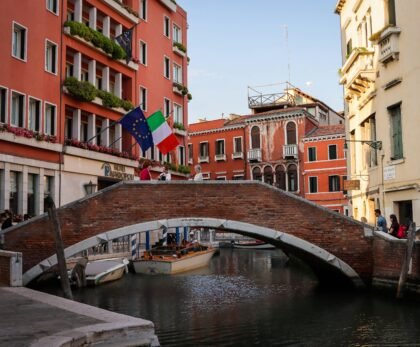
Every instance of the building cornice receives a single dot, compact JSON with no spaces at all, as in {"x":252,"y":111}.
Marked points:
{"x":324,"y":138}
{"x":216,"y":130}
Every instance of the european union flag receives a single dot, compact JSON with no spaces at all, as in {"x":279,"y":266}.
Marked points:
{"x":135,"y":123}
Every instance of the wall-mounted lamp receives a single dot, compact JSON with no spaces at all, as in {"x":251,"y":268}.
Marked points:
{"x":373,"y":144}
{"x":90,"y":187}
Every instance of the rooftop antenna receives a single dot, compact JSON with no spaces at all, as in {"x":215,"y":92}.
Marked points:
{"x":288,"y":53}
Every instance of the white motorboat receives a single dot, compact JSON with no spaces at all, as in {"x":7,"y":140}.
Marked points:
{"x":103,"y":271}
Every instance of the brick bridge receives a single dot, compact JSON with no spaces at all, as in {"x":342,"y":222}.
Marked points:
{"x":336,"y":247}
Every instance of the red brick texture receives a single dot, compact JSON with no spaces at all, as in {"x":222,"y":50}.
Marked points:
{"x":253,"y":202}
{"x":4,"y":271}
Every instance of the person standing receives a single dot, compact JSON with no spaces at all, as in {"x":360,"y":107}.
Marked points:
{"x":381,"y":221}
{"x":393,"y":229}
{"x":198,"y":175}
{"x":165,"y":175}
{"x":145,"y":173}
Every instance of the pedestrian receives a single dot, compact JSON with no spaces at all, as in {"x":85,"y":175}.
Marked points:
{"x":8,"y":219}
{"x":393,"y":229}
{"x":198,"y":175}
{"x":381,"y":221}
{"x":165,"y":175}
{"x":145,"y":173}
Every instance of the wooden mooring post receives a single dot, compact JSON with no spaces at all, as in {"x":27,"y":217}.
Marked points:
{"x":61,"y":259}
{"x":406,"y":261}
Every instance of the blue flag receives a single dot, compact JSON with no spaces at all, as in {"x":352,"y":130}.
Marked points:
{"x":135,"y":123}
{"x":124,"y":41}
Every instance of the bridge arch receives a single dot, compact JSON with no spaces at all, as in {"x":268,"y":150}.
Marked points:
{"x":281,"y":239}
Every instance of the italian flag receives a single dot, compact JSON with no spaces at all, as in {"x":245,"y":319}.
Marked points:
{"x":162,"y":134}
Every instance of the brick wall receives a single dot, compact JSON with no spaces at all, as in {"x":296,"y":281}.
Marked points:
{"x":4,"y":271}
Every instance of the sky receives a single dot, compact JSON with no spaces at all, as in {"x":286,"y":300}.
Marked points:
{"x":234,"y":44}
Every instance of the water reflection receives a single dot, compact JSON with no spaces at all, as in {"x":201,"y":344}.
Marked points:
{"x":247,"y":298}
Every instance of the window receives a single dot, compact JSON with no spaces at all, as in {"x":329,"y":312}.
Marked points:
{"x":69,"y":70}
{"x":190,"y":153}
{"x":49,"y":121}
{"x":166,"y":27}
{"x":14,"y":191}
{"x":313,"y":184}
{"x":334,"y":183}
{"x":238,"y":177}
{"x":332,"y":152}
{"x":52,"y":6}
{"x":181,"y":155}
{"x":166,"y":107}
{"x":220,"y":147}
{"x":280,"y":177}
{"x":143,"y":98}
{"x":178,"y":114}
{"x":19,"y":41}
{"x":17,"y":110}
{"x":34,"y":114}
{"x":166,"y":68}
{"x":143,"y":9}
{"x":98,"y":82}
{"x":396,"y":132}
{"x":3,"y":104}
{"x":291,"y":133}
{"x":204,"y":150}
{"x":177,"y":34}
{"x":48,"y":188}
{"x":31,"y":194}
{"x":268,"y":175}
{"x":221,"y":178}
{"x":177,"y":74}
{"x":312,"y":153}
{"x":256,"y":174}
{"x":83,"y":131}
{"x":68,"y":127}
{"x":98,"y":133}
{"x":391,"y":14}
{"x":292,"y":178}
{"x":143,"y":53}
{"x":237,"y":145}
{"x":51,"y":57}
{"x":349,"y":48}
{"x":255,"y":137}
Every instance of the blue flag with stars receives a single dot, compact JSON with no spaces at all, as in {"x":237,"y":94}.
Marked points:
{"x":135,"y":123}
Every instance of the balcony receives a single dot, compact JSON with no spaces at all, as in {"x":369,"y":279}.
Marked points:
{"x":238,"y":155}
{"x":169,"y":4}
{"x":255,"y":155}
{"x":358,"y":72}
{"x":388,"y":45}
{"x":124,"y":10}
{"x":290,"y":151}
{"x":220,"y":157}
{"x":203,"y":159}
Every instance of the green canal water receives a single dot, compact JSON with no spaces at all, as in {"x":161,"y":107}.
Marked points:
{"x":251,"y":298}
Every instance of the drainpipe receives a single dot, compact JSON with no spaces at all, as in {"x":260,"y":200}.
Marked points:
{"x":61,"y":156}
{"x":245,"y":155}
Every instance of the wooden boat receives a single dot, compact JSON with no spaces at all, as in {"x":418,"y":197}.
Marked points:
{"x":252,"y":245}
{"x":173,"y":259}
{"x":103,"y":271}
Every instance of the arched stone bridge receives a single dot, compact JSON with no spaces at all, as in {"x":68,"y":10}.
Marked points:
{"x":336,"y":247}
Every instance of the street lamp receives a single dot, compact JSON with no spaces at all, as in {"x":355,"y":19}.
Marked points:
{"x":373,"y":144}
{"x":90,"y":187}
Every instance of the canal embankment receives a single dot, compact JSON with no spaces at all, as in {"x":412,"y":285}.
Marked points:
{"x":36,"y":319}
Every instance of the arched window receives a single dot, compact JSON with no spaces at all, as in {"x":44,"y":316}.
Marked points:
{"x":268,"y":175}
{"x":291,"y":133}
{"x":255,"y":137}
{"x":292,"y":179}
{"x":280,"y":177}
{"x":256,"y":174}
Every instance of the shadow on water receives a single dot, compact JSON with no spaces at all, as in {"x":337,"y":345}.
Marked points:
{"x":247,"y":298}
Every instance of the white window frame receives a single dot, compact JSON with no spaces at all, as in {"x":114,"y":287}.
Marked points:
{"x":309,"y":184}
{"x":220,"y":156}
{"x":143,"y":98}
{"x":12,"y":91}
{"x":166,"y":26}
{"x":166,"y":107}
{"x":6,"y":108}
{"x":203,"y":159}
{"x":221,"y":178}
{"x":46,"y":104}
{"x":29,"y":113}
{"x":180,"y":148}
{"x":166,"y":67}
{"x":190,"y":157}
{"x":236,"y":153}
{"x":49,"y":43}
{"x":177,"y":73}
{"x":176,"y":33}
{"x":22,"y":28}
{"x":57,"y":4}
{"x":143,"y":5}
{"x":239,"y":175}
{"x":177,"y":108}
{"x":143,"y":57}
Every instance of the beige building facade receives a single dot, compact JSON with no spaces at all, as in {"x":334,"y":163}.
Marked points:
{"x":380,"y":74}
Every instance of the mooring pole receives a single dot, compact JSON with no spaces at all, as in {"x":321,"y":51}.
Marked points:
{"x":406,"y":261}
{"x":61,"y":260}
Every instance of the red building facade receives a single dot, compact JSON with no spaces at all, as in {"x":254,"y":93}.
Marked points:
{"x":65,"y":83}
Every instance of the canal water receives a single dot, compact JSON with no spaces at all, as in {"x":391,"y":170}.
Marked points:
{"x":252,"y":298}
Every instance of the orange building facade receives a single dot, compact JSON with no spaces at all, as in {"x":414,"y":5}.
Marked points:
{"x":325,"y":167}
{"x":65,"y":83}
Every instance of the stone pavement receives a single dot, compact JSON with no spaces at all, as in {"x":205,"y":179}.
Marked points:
{"x":35,"y":319}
